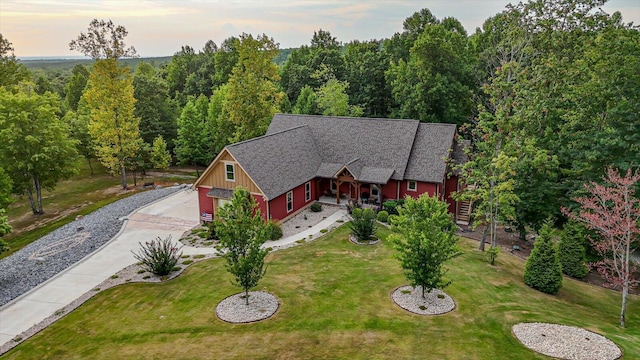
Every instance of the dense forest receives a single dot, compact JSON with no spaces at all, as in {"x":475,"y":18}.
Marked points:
{"x":547,"y":92}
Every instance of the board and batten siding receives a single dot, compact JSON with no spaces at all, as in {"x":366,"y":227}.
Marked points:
{"x":217,"y":176}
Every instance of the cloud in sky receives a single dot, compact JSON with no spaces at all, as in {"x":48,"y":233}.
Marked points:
{"x":160,"y":27}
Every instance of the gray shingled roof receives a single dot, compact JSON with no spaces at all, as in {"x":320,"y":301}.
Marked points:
{"x":298,"y":148}
{"x":458,"y":156}
{"x":279,"y":161}
{"x":430,"y":149}
{"x":383,"y":143}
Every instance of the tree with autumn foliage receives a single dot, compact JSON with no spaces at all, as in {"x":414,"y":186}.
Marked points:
{"x":113,"y":126}
{"x":613,"y":210}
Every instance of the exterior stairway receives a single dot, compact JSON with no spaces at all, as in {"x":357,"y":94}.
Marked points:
{"x":464,"y":209}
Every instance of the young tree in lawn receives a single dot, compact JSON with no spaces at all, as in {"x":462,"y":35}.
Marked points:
{"x":426,"y":241}
{"x":613,"y":211}
{"x":543,"y":270}
{"x":35,"y":148}
{"x":109,"y":95}
{"x":242,"y":231}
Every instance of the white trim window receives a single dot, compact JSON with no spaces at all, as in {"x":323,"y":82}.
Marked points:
{"x":307,"y":191}
{"x":230,"y":171}
{"x":289,"y":201}
{"x":412,"y":185}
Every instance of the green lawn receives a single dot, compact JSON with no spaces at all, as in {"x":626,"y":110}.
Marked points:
{"x":335,"y":303}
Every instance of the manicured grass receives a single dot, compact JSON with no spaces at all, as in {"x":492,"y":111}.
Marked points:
{"x":335,"y":303}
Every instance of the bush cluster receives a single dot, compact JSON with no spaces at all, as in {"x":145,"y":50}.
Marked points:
{"x":211,"y":231}
{"x":383,"y":216}
{"x":363,"y":224}
{"x":274,"y":229}
{"x":391,"y":206}
{"x":316,"y":207}
{"x":158,"y":256}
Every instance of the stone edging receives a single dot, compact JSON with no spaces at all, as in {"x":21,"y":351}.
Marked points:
{"x":565,"y":342}
{"x":353,"y":240}
{"x":262,"y":306}
{"x":413,"y":302}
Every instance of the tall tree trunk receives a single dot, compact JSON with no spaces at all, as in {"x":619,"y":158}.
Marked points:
{"x":483,"y":239}
{"x":31,"y":202}
{"x":623,"y":310}
{"x":90,"y":166}
{"x":123,"y":175}
{"x":38,"y":187}
{"x":522,"y":232}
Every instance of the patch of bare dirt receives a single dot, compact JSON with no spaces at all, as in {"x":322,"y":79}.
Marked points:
{"x":511,"y":243}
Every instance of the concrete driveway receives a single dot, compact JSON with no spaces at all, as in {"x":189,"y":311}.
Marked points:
{"x":172,"y":215}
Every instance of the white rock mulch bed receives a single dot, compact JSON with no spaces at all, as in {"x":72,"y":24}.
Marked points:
{"x":233,"y":309}
{"x":298,"y":223}
{"x":410,"y":299}
{"x":354,"y":240}
{"x":566,"y":342}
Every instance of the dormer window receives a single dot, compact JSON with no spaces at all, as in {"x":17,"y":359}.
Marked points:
{"x":230,"y":171}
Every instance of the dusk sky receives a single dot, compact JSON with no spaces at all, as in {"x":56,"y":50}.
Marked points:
{"x":160,"y":27}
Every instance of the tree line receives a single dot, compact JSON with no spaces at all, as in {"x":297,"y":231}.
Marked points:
{"x":547,"y":92}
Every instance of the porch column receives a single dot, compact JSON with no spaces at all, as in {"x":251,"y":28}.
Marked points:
{"x":338,"y":183}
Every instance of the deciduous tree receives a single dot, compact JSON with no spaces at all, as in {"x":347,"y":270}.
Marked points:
{"x":75,"y":86}
{"x":160,"y":156}
{"x":426,"y":240}
{"x":35,"y":148}
{"x":11,"y":71}
{"x":153,"y":106}
{"x":113,"y":126}
{"x":613,"y":211}
{"x":253,"y":96}
{"x":242,"y":231}
{"x":109,"y":95}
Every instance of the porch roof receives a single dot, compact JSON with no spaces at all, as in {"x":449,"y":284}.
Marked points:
{"x":375,"y":175}
{"x":220,"y":193}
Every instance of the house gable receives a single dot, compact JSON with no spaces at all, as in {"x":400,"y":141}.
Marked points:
{"x":215,"y":176}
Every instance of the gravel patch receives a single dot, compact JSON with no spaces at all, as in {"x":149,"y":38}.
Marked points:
{"x":566,"y":342}
{"x":354,"y":240}
{"x":63,"y":247}
{"x":434,"y":303}
{"x":233,"y":309}
{"x":306,"y":219}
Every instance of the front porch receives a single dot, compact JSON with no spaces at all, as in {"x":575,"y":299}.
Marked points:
{"x":331,"y":200}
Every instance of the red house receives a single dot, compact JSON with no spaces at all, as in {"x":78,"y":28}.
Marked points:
{"x":302,"y":158}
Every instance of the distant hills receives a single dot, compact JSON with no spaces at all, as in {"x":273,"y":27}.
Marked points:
{"x":51,"y":62}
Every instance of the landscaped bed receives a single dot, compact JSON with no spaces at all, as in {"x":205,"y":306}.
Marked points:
{"x":334,"y":303}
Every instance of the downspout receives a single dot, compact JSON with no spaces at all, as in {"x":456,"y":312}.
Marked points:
{"x":398,"y":190}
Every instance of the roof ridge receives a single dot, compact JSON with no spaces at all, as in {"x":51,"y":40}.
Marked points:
{"x":352,"y":118}
{"x":266,"y":135}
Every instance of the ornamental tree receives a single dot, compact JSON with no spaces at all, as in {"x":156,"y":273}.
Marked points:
{"x":242,"y":231}
{"x":613,"y":210}
{"x":426,"y":241}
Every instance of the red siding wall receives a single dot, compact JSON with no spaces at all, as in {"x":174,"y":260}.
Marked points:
{"x":278,"y":206}
{"x":205,"y":203}
{"x":422,"y":187}
{"x":262,"y":205}
{"x":451,"y":185}
{"x":390,"y":190}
